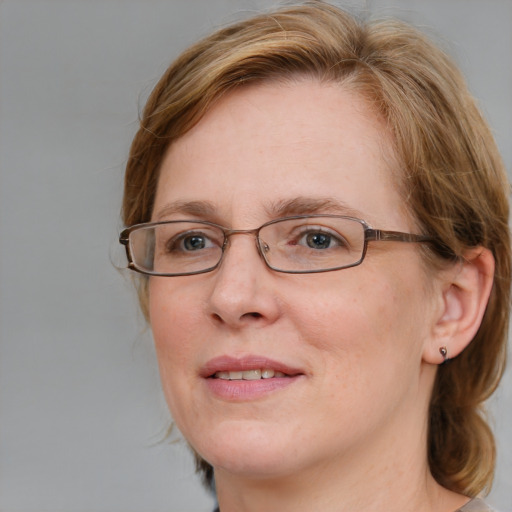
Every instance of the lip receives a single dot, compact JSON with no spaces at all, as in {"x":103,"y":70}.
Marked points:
{"x":247,"y":390}
{"x":235,"y":364}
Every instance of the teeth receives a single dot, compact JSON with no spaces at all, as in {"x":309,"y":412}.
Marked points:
{"x":252,"y":375}
{"x":266,"y":373}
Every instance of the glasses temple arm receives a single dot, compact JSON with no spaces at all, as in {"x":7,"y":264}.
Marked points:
{"x":397,"y":236}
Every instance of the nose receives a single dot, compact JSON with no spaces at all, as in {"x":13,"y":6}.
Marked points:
{"x":244,"y":288}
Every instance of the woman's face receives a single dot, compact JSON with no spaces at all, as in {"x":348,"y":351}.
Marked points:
{"x":349,"y":342}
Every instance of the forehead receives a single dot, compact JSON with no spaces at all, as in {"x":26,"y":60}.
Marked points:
{"x":271,"y":143}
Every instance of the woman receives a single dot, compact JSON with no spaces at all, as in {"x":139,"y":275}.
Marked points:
{"x":318,"y":213}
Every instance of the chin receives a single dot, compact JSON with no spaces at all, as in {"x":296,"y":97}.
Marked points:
{"x":246,"y":450}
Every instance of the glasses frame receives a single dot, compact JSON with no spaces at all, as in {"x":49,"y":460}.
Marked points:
{"x":370,"y":235}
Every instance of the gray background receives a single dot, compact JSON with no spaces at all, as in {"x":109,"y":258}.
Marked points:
{"x":82,"y":416}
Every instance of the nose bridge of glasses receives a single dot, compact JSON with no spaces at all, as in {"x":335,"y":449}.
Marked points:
{"x":228,"y":233}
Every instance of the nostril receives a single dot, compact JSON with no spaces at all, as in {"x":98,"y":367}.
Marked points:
{"x":216,"y":317}
{"x":219,"y":318}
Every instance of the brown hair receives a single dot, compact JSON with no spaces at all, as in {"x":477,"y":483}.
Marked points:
{"x":452,"y":178}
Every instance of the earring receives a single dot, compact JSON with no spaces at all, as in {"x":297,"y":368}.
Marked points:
{"x":444,"y":352}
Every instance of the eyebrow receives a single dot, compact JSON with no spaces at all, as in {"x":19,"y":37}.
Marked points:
{"x":204,"y":209}
{"x":301,"y":205}
{"x":310,"y":205}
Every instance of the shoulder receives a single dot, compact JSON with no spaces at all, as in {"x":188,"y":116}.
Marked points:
{"x":476,"y":505}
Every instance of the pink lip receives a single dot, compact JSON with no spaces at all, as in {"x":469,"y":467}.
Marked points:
{"x":247,"y":390}
{"x":233,"y":364}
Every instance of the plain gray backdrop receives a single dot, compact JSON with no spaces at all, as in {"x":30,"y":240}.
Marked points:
{"x":82,"y":415}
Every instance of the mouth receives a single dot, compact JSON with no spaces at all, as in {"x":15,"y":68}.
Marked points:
{"x":265,"y":373}
{"x":247,"y":368}
{"x":247,"y":378}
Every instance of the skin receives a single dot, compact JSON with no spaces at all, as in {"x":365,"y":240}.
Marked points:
{"x":350,"y":433}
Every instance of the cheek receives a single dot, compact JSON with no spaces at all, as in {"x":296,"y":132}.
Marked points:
{"x":174,"y":317}
{"x":365,"y":335}
{"x":360,"y":321}
{"x":338,"y":313}
{"x":175,"y":321}
{"x":173,"y":311}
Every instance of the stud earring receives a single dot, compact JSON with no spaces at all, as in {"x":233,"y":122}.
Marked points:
{"x":444,"y":352}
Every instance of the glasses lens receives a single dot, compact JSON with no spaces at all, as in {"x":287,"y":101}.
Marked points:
{"x":175,"y":248}
{"x":312,"y":244}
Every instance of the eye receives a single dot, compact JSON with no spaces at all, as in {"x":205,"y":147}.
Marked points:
{"x":194,"y":242}
{"x":190,"y":242}
{"x":319,"y":239}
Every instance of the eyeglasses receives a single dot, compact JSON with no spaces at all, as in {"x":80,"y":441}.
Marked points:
{"x":301,"y":244}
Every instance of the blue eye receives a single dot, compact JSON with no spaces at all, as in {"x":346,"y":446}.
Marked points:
{"x":194,"y":242}
{"x":190,"y":242}
{"x":318,"y":240}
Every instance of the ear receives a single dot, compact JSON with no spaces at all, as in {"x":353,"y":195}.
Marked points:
{"x":464,"y":291}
